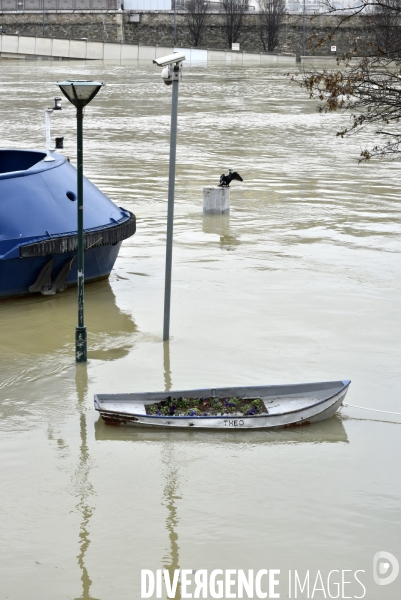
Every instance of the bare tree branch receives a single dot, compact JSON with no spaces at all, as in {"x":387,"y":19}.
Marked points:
{"x":270,"y":19}
{"x":196,"y":17}
{"x":234,"y":11}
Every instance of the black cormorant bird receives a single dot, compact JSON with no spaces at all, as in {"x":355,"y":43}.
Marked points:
{"x":225,"y":180}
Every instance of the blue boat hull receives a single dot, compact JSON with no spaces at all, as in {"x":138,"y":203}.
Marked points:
{"x":38,"y":225}
{"x":17,"y":275}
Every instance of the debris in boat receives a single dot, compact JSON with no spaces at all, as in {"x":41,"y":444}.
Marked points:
{"x":205,"y":407}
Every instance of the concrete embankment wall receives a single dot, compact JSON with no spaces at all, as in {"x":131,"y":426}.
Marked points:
{"x":156,"y":28}
{"x":25,"y":47}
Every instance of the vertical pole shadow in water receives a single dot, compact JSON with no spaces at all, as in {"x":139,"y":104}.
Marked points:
{"x":171,"y":561}
{"x":166,"y":366}
{"x":83,"y":486}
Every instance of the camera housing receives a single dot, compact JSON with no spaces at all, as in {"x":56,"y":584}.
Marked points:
{"x":170,"y":59}
{"x":172,"y":66}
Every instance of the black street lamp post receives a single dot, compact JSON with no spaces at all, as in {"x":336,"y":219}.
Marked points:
{"x":80,"y":93}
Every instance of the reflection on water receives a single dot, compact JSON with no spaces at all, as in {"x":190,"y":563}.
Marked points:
{"x":166,"y":366}
{"x":171,"y":560}
{"x":37,"y":340}
{"x":373,"y":420}
{"x":46,"y":325}
{"x":84,"y":489}
{"x":172,"y":445}
{"x":220,"y":225}
{"x":37,"y":334}
{"x":329,"y":431}
{"x":217,"y":224}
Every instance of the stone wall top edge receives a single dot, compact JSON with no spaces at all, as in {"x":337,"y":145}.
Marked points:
{"x":170,"y":12}
{"x":59,"y":12}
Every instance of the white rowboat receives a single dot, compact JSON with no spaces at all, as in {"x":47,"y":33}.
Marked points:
{"x":286,"y":406}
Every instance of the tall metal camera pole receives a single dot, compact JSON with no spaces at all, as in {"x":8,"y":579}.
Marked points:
{"x":172,"y":75}
{"x":170,"y":210}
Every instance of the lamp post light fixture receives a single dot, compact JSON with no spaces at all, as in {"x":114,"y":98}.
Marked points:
{"x":80,"y":93}
{"x":172,"y":75}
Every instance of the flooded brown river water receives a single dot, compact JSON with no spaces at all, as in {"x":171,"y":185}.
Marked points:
{"x":301,"y":282}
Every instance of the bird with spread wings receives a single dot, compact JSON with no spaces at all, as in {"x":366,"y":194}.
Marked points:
{"x":225,"y":180}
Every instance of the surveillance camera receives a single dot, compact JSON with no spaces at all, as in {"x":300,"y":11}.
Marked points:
{"x":167,"y":75}
{"x":172,"y":73}
{"x":170,"y":59}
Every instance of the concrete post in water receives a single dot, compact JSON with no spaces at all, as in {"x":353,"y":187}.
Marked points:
{"x":216,"y":200}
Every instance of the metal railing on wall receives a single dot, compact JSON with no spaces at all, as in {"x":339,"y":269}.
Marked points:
{"x":39,"y":5}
